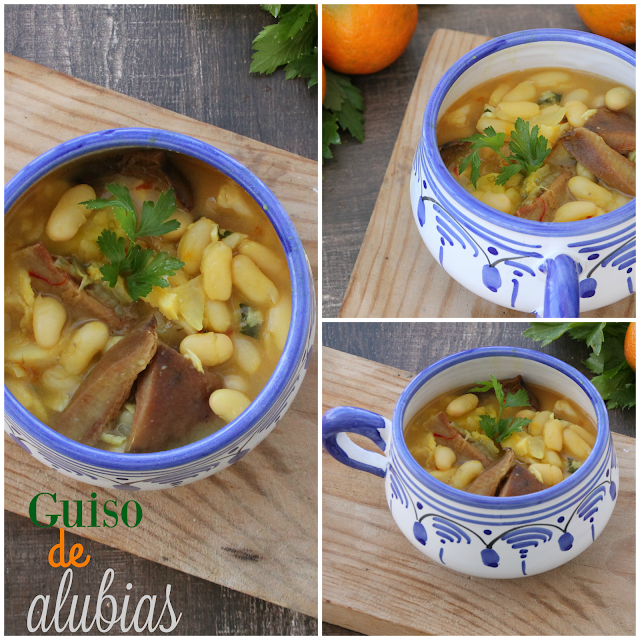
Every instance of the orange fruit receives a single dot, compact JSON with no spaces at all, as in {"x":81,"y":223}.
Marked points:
{"x":630,"y":345}
{"x":614,"y":21}
{"x":324,"y":82}
{"x":364,"y":38}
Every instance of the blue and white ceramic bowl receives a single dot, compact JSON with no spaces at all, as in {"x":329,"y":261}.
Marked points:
{"x":223,"y":448}
{"x":483,"y":536}
{"x":553,"y":270}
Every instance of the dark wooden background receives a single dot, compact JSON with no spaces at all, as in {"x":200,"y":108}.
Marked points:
{"x":413,"y":346}
{"x":354,"y":176}
{"x":194,"y":60}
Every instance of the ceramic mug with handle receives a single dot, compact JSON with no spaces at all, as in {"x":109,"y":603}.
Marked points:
{"x":489,"y":537}
{"x":553,"y":270}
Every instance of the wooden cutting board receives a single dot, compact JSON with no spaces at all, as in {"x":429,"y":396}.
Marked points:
{"x":253,"y":527}
{"x":375,"y":582}
{"x":395,"y":276}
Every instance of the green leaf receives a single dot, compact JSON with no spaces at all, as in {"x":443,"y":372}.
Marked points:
{"x":350,"y":116}
{"x":295,"y":21}
{"x":330,"y":133}
{"x":305,"y":66}
{"x":615,"y":381}
{"x":528,"y":147}
{"x":546,"y":332}
{"x":141,"y":268}
{"x":528,"y":151}
{"x":145,"y":275}
{"x":499,"y":429}
{"x":154,"y":218}
{"x":273,"y":9}
{"x":250,"y":321}
{"x":273,"y":49}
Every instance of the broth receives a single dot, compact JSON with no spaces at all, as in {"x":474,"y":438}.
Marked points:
{"x":240,"y":303}
{"x":588,"y":122}
{"x":549,"y":453}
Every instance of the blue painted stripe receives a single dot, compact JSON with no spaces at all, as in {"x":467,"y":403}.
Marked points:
{"x":450,"y":231}
{"x":519,"y":265}
{"x":584,"y":243}
{"x":443,"y":233}
{"x":600,"y":247}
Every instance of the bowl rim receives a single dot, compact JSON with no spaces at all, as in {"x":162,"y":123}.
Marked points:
{"x":465,"y":200}
{"x":301,"y":297}
{"x":430,"y":484}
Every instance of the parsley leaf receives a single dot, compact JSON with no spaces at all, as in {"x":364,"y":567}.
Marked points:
{"x":499,"y":429}
{"x":528,"y":151}
{"x":330,"y":133}
{"x":615,"y":380}
{"x":250,"y":321}
{"x":145,"y":275}
{"x":292,"y":42}
{"x":141,"y":268}
{"x":478,"y":141}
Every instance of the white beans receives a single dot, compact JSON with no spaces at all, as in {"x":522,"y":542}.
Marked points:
{"x":618,"y":201}
{"x":59,"y":380}
{"x":233,"y":196}
{"x":553,"y":435}
{"x":69,"y":215}
{"x":466,"y":473}
{"x":185,"y":219}
{"x":574,"y":445}
{"x":459,"y":117}
{"x":49,"y":316}
{"x":500,"y":126}
{"x":236,"y":382}
{"x":584,"y":434}
{"x":193,"y":243}
{"x":216,"y":271}
{"x":499,"y":93}
{"x":499,"y":201}
{"x":583,"y":189}
{"x":536,"y":426}
{"x":578,"y":210}
{"x":524,"y":92}
{"x":86,"y":342}
{"x":266,"y":260}
{"x":461,"y":405}
{"x":279,"y":321}
{"x":553,"y":458}
{"x":211,"y":348}
{"x":31,"y":355}
{"x":584,"y":172}
{"x":597,"y":102}
{"x":251,"y":282}
{"x":575,"y":113}
{"x":551,"y":475}
{"x":514,"y":110}
{"x":217,"y":316}
{"x":582,"y":95}
{"x":228,"y":403}
{"x":618,"y":98}
{"x":564,"y":410}
{"x":549,"y":79}
{"x":444,"y":458}
{"x":247,"y":355}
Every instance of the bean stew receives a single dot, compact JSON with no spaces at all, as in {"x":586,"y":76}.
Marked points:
{"x":501,"y":438}
{"x":550,"y":145}
{"x":147,"y":300}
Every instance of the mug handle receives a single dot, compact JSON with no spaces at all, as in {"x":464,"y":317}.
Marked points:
{"x":562,"y":288}
{"x":337,"y":422}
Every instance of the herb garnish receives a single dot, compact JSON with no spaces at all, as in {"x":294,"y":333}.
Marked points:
{"x":528,"y":151}
{"x":250,"y":321}
{"x":499,"y":429}
{"x":141,"y":268}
